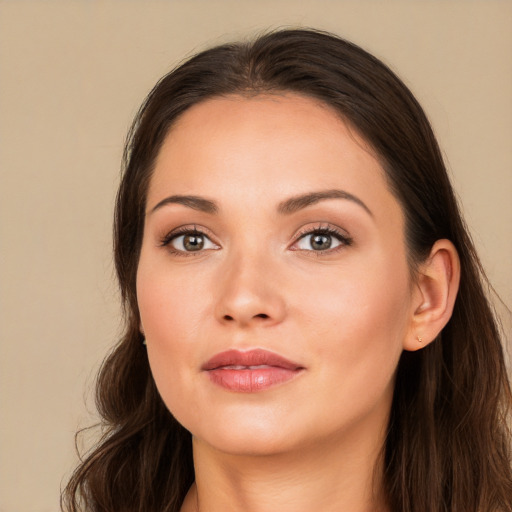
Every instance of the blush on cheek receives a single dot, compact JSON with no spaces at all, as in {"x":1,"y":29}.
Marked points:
{"x":160,"y":302}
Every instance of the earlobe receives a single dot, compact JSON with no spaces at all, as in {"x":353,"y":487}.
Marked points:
{"x":141,"y":329}
{"x":434,"y":296}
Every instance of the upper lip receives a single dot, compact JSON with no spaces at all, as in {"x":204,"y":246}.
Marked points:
{"x":256,"y":357}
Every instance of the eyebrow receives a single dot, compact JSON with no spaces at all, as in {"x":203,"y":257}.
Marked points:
{"x":299,"y":202}
{"x":286,"y":207}
{"x":195,"y":202}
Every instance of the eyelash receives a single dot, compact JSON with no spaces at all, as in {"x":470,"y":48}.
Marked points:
{"x":344,"y":240}
{"x":185,"y":230}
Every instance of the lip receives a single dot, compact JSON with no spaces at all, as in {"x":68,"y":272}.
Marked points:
{"x":250,"y":371}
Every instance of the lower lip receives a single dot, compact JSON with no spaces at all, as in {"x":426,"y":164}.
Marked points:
{"x":251,"y":380}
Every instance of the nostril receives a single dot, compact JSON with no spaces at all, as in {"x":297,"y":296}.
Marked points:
{"x":260,"y":315}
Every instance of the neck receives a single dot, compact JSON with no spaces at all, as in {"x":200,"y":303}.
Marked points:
{"x":317,"y":477}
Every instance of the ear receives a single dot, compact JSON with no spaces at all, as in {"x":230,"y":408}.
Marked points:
{"x":434,"y":295}
{"x":141,"y":330}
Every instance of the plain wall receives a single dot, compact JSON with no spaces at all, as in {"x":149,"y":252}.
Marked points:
{"x":72,"y":75}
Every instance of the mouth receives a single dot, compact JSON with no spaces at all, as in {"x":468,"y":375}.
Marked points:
{"x":250,"y":371}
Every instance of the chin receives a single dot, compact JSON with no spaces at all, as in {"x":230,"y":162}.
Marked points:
{"x":250,"y":443}
{"x":247,"y":434}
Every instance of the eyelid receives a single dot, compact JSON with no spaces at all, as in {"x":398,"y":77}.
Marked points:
{"x":190,"y":229}
{"x":320,"y":228}
{"x":323,"y":228}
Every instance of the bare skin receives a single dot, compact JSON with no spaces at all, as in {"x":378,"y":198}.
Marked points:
{"x":270,"y":227}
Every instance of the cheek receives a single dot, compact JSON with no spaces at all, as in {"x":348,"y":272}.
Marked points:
{"x":173,"y":313}
{"x":365,"y":298}
{"x":360,"y":321}
{"x":171,"y":303}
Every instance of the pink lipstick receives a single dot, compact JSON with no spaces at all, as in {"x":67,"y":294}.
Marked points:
{"x":251,"y":371}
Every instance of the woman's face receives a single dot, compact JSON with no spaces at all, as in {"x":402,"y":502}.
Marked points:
{"x":273,"y":283}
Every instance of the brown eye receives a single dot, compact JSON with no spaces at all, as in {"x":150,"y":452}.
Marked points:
{"x":193,"y":242}
{"x":190,"y":241}
{"x":322,"y":240}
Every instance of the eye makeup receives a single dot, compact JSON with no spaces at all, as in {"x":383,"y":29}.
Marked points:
{"x":194,"y":240}
{"x":193,"y":237}
{"x":322,"y":233}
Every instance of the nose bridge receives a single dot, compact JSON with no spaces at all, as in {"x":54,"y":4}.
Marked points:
{"x":247,"y":293}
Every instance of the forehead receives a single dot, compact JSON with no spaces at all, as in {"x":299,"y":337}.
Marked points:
{"x":270,"y":145}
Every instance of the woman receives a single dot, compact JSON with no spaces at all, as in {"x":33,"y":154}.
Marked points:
{"x":306,"y":322}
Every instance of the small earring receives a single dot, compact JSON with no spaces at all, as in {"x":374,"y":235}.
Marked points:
{"x":420,"y":339}
{"x":144,"y":342}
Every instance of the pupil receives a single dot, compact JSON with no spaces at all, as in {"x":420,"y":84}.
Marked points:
{"x":193,"y":242}
{"x":321,"y":242}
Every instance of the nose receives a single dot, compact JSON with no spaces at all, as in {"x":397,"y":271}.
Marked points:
{"x":249,"y":295}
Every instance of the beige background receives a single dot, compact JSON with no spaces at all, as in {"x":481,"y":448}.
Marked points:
{"x":72,"y":74}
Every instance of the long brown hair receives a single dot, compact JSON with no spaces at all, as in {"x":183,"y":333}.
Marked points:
{"x":448,"y":446}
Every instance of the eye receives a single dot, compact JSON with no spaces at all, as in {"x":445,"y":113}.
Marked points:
{"x":188,"y":241}
{"x":321,"y":239}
